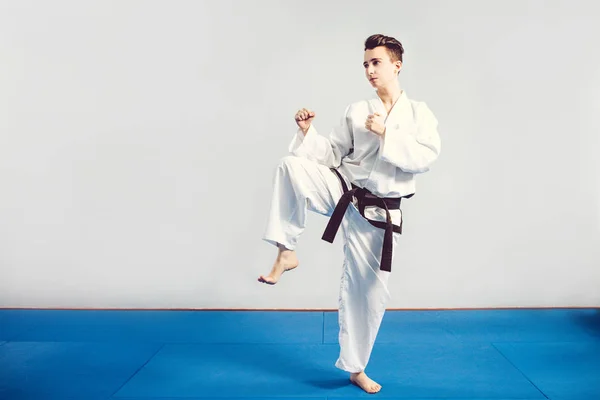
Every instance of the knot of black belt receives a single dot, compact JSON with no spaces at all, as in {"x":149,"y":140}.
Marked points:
{"x":365,"y":199}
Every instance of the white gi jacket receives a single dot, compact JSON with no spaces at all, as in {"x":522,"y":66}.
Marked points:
{"x":387,"y":165}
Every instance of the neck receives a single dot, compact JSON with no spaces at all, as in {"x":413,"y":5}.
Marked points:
{"x":390,"y":94}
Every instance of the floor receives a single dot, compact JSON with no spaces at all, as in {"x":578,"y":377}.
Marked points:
{"x":426,"y":355}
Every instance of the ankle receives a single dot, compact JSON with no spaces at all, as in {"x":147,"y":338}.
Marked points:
{"x":282,"y":247}
{"x":283,"y":251}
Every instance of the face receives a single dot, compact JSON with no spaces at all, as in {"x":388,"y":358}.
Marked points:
{"x":380,"y":70}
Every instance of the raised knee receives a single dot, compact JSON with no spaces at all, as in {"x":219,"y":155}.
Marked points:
{"x":289,"y":161}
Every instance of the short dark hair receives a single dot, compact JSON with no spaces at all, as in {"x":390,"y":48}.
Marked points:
{"x":393,"y":46}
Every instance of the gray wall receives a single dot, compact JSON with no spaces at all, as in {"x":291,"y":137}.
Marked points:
{"x":138,"y":141}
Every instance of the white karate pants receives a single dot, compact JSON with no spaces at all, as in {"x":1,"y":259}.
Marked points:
{"x":300,"y":185}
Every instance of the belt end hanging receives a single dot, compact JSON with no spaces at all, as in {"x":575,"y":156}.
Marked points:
{"x":386,"y":262}
{"x":328,"y":237}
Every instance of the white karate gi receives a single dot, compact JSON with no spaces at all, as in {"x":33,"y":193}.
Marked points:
{"x":385,"y":166}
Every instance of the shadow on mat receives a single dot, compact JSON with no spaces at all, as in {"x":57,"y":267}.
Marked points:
{"x":301,"y":366}
{"x":590,"y":320}
{"x":330,"y":384}
{"x":306,"y":365}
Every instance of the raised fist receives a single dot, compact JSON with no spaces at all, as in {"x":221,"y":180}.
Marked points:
{"x":304,"y":118}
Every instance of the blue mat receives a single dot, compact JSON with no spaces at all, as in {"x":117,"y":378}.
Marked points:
{"x":565,"y":371}
{"x":522,"y":325}
{"x":236,"y":398}
{"x":164,"y":326}
{"x":307,"y":370}
{"x":11,"y":323}
{"x":143,"y":355}
{"x":36,"y":371}
{"x":401,"y":327}
{"x":480,"y":326}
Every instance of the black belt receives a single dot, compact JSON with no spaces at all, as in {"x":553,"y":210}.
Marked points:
{"x":366,"y":198}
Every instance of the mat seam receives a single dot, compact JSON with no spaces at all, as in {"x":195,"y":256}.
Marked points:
{"x":518,"y":369}
{"x":323,"y":330}
{"x":138,"y":369}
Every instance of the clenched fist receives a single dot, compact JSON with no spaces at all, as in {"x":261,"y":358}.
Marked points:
{"x":376,"y":124}
{"x":304,"y":118}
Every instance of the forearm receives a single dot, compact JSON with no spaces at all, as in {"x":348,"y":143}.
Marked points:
{"x":310,"y":145}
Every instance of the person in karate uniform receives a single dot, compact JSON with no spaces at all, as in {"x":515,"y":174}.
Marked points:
{"x":357,"y":176}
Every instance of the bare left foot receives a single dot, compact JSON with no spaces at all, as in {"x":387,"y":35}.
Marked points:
{"x":286,"y":261}
{"x":365,"y":383}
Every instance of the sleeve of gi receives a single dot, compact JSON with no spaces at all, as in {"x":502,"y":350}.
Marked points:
{"x":413,"y":152}
{"x":328,"y":151}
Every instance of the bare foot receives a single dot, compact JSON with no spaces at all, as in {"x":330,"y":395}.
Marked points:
{"x":365,"y":383}
{"x":286,"y":261}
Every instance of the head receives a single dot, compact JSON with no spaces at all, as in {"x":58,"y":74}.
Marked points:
{"x":382,"y":60}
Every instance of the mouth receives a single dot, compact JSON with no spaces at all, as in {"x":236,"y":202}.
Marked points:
{"x":372,"y":79}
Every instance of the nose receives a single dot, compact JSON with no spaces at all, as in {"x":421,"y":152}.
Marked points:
{"x":370,"y":70}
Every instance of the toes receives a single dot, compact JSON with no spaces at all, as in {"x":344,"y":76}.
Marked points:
{"x":267,"y":280}
{"x":367,"y":385}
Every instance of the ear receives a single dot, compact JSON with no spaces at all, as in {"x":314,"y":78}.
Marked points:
{"x":399,"y":65}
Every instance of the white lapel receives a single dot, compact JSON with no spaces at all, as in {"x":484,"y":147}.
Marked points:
{"x":376,"y":106}
{"x":399,"y":121}
{"x":401,"y":115}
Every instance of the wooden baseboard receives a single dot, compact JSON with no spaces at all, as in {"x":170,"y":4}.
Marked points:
{"x":304,"y":309}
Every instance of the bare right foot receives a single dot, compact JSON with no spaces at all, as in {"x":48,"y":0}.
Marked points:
{"x":364,"y":382}
{"x":286,"y":261}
